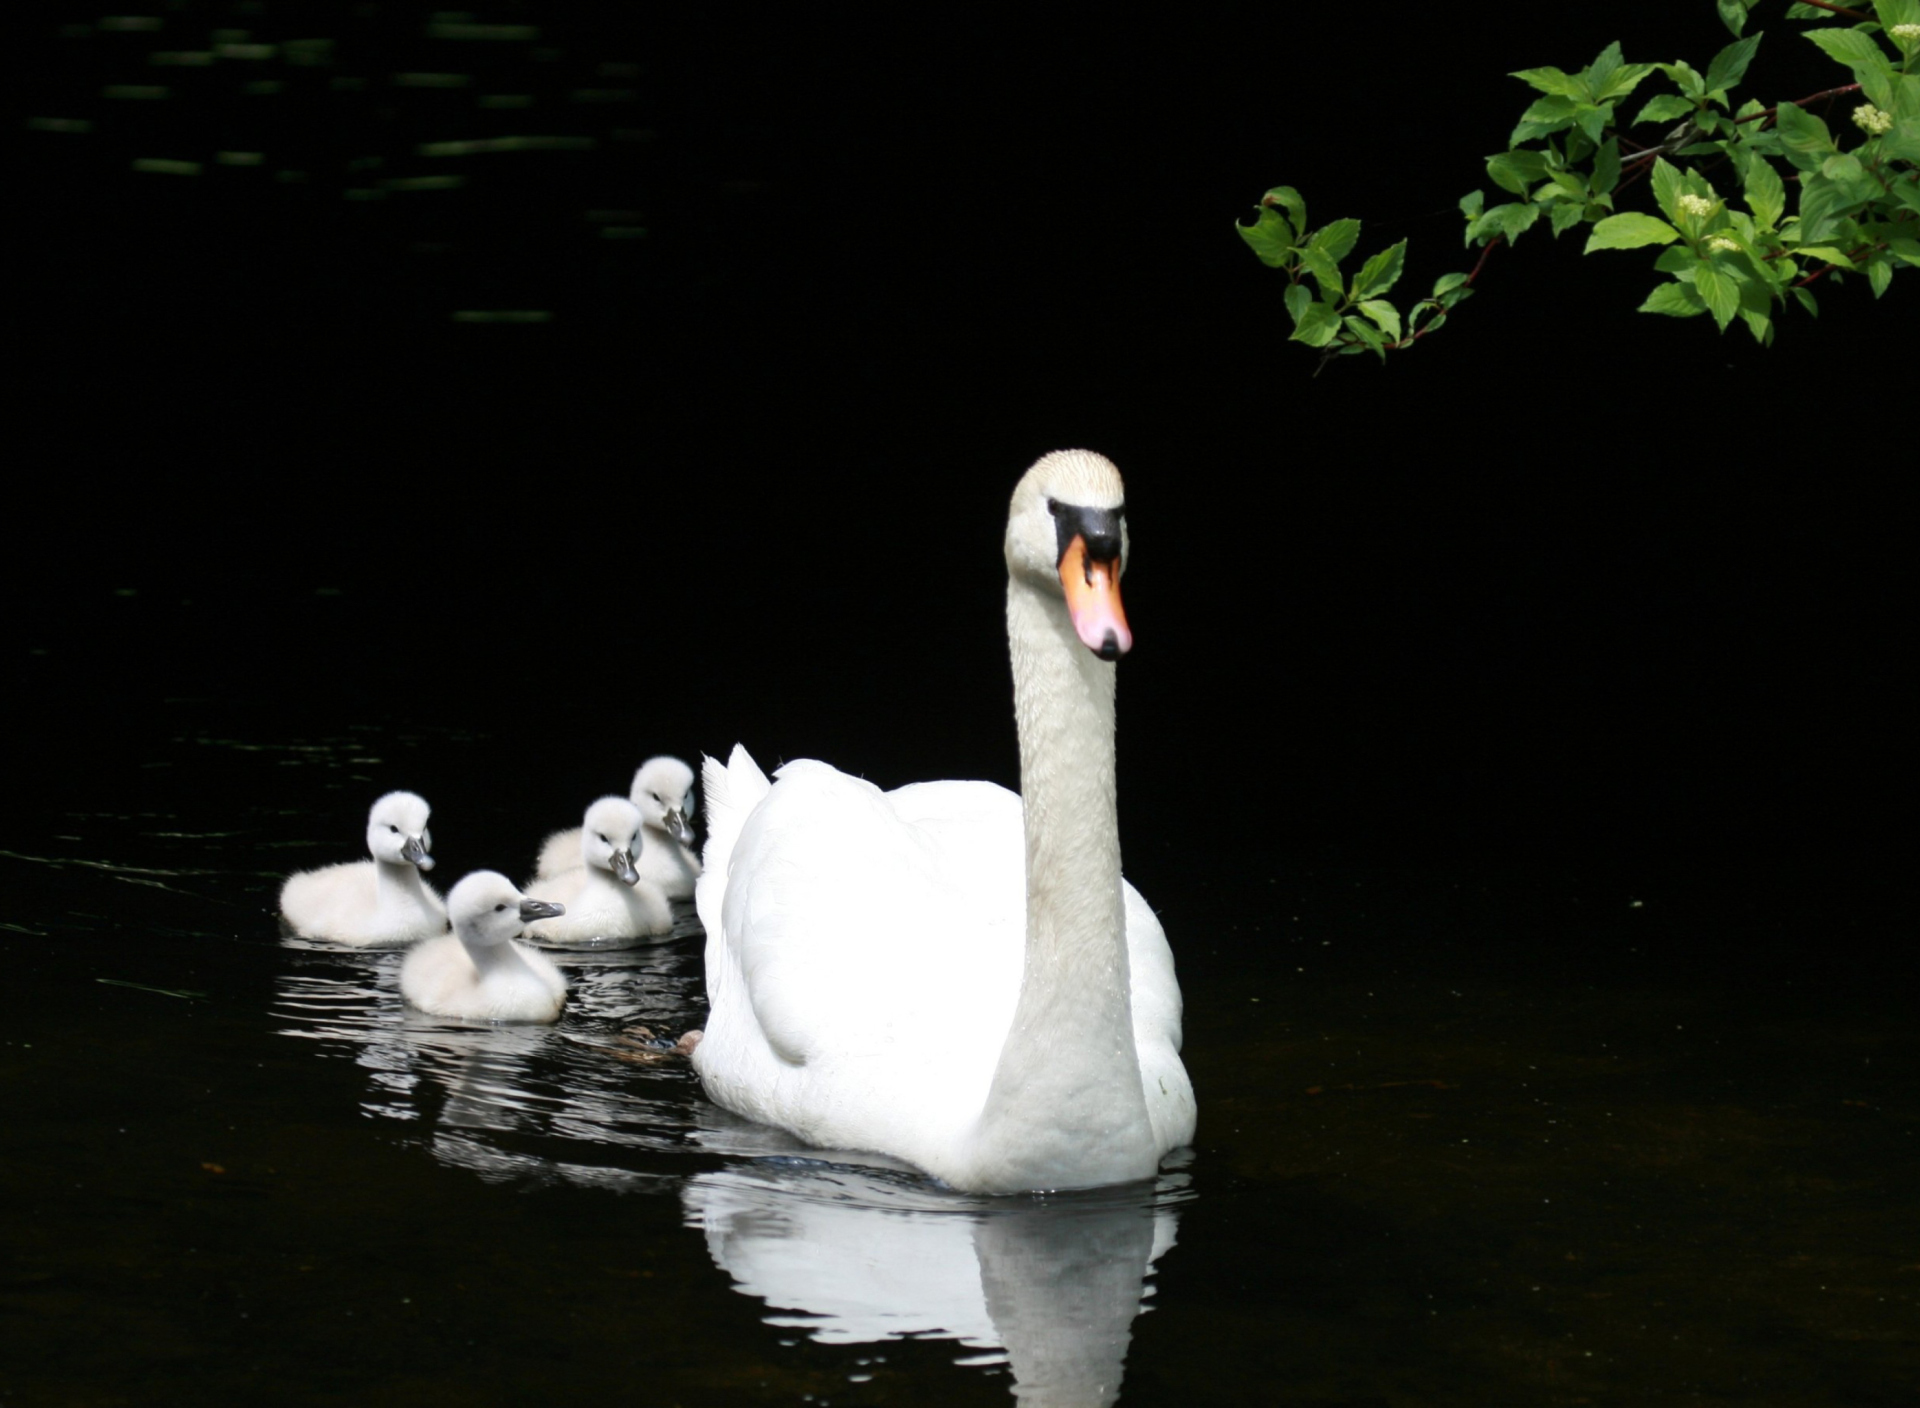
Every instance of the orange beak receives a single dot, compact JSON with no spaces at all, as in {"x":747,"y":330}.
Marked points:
{"x":1093,"y":601}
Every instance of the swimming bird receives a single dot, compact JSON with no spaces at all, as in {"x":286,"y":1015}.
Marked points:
{"x":378,"y":903}
{"x":662,"y":789}
{"x":949,"y":973}
{"x":605,"y":897}
{"x":478,"y":971}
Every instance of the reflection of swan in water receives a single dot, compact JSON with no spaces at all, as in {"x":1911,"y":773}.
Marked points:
{"x":868,"y":1255}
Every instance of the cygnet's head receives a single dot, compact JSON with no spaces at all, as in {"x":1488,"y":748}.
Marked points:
{"x":1067,"y":537}
{"x":397,"y":830}
{"x":610,"y":837}
{"x":486,"y":909}
{"x":663,"y":790}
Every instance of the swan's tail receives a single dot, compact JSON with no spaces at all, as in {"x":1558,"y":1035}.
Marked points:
{"x":731,"y":791}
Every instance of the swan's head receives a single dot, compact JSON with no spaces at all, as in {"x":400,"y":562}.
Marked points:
{"x":486,"y":909}
{"x":397,"y":830}
{"x":610,"y":837}
{"x":1067,"y":536}
{"x":663,"y":790}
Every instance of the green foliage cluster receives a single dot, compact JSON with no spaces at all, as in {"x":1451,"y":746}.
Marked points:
{"x":1754,"y":203}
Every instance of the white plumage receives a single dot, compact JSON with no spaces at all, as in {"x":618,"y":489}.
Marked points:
{"x":604,"y":896}
{"x":663,"y":790}
{"x":378,"y":903}
{"x":478,"y":972}
{"x":940,"y":973}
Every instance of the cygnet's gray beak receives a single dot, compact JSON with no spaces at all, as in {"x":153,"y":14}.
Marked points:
{"x":415,"y":853}
{"x":531,"y":910}
{"x":621,"y":864}
{"x":677,"y":827}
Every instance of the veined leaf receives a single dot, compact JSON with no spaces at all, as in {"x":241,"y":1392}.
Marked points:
{"x":1593,"y":121}
{"x":1826,"y":254}
{"x":1269,"y":237}
{"x":1385,"y":315}
{"x":1318,"y":326}
{"x":1366,"y":333}
{"x":1766,"y":193}
{"x":1893,"y":12}
{"x":1729,"y":66}
{"x":1849,"y":46}
{"x":1565,"y":215}
{"x":1904,"y":248}
{"x":1675,"y":300}
{"x":1325,"y":272}
{"x":1602,"y":69}
{"x":1668,"y":187}
{"x":1447,"y":283}
{"x":1879,"y":274}
{"x":1516,"y":170}
{"x":1719,"y":292}
{"x":1336,"y":240}
{"x":1621,"y":82}
{"x":1299,"y":299}
{"x":1685,"y":79}
{"x":1379,"y":273}
{"x":1630,"y":230}
{"x":1733,"y":14}
{"x":1288,"y":199}
{"x":1553,"y":80}
{"x":1804,"y":136}
{"x":1606,"y":167}
{"x":1664,"y":108}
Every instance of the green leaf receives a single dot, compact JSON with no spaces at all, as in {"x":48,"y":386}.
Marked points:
{"x":1879,"y":274}
{"x":1289,"y":200}
{"x":1826,"y":254}
{"x":1606,"y":167}
{"x":1269,"y":237}
{"x":1759,"y":324}
{"x":1893,"y":12}
{"x":1803,"y":136}
{"x":1841,"y":166}
{"x":1325,"y":272}
{"x":1299,"y":299}
{"x":1593,"y":121}
{"x":1719,"y":292}
{"x":1547,"y":115}
{"x":1729,"y":66}
{"x":1664,"y":108}
{"x":1447,"y":283}
{"x":1516,"y":170}
{"x":1668,"y":187}
{"x":1766,"y":193}
{"x":1807,"y":301}
{"x":1630,"y":230}
{"x":1318,"y":326}
{"x":1515,"y":219}
{"x":1675,"y":300}
{"x":1685,"y":79}
{"x":1552,"y":80}
{"x":1379,"y":273}
{"x":1385,"y":315}
{"x":1602,"y":68}
{"x":1621,"y":82}
{"x":1336,"y":240}
{"x":1470,"y":204}
{"x":1849,"y":46}
{"x":1565,"y":215}
{"x":1733,"y":14}
{"x":1368,"y":334}
{"x":1903,"y":248}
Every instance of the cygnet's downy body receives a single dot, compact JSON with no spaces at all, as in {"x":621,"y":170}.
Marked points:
{"x":478,"y":972}
{"x":378,"y":903}
{"x":663,"y":790}
{"x":605,"y":897}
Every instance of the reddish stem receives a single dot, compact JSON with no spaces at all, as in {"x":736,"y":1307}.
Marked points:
{"x":1837,"y":9}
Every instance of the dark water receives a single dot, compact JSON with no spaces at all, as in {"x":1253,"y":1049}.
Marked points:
{"x":1530,"y":1156}
{"x":1530,"y":826}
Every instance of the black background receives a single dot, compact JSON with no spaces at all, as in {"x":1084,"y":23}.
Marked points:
{"x":1566,"y":581}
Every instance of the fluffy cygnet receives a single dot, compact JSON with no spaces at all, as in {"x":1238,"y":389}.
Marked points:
{"x":477,"y":971}
{"x":605,"y":897}
{"x":378,"y":903}
{"x":663,"y":790}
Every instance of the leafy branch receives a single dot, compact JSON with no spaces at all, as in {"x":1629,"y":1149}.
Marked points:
{"x":1791,"y":206}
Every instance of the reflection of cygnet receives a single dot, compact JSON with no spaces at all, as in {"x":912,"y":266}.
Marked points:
{"x":604,"y":896}
{"x":662,"y":789}
{"x":477,"y":971}
{"x":378,"y":903}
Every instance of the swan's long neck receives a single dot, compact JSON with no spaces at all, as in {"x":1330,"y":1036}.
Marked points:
{"x":1065,"y":1108}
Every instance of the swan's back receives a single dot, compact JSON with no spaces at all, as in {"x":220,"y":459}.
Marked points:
{"x":865,"y":954}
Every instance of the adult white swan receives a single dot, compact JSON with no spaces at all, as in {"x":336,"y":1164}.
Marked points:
{"x":937,"y":973}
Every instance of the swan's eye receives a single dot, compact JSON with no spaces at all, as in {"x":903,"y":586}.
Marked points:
{"x":656,"y":797}
{"x":394,"y":829}
{"x":603,"y":836}
{"x":499,"y":908}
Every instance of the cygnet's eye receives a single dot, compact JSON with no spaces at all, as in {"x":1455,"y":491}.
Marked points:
{"x":603,"y":836}
{"x":655,"y":796}
{"x":394,"y":829}
{"x":499,"y":908}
